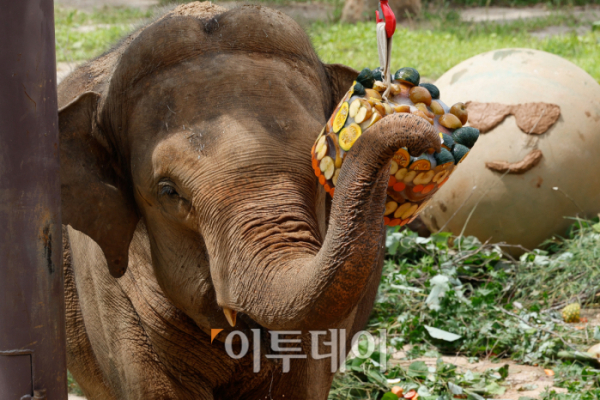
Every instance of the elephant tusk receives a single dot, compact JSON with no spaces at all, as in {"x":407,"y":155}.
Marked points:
{"x":230,"y":315}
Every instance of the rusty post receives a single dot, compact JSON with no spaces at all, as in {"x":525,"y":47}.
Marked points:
{"x":32,"y":311}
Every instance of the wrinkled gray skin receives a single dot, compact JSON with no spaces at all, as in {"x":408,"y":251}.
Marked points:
{"x":186,"y":174}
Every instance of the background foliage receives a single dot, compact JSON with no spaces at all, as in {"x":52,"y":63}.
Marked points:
{"x":484,"y":304}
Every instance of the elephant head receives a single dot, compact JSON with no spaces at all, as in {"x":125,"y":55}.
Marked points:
{"x":205,"y":132}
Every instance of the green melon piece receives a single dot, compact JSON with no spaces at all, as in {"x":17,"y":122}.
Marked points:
{"x":366,"y":78}
{"x":443,"y":157}
{"x":467,"y":136}
{"x":433,"y":90}
{"x":408,"y":75}
{"x":359,"y":89}
{"x":377,"y":74}
{"x":459,"y":152}
{"x":447,"y":141}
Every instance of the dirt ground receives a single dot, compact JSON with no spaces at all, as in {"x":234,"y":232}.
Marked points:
{"x":520,"y":377}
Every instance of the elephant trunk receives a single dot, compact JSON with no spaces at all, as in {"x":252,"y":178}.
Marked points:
{"x":316,"y":290}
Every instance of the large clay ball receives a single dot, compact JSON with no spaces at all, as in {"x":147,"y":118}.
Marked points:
{"x":530,"y":207}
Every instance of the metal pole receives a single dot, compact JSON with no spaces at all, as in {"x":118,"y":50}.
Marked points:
{"x":32,"y":311}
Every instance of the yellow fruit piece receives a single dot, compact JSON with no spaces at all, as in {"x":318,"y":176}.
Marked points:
{"x":437,"y":108}
{"x":327,"y":166}
{"x":571,"y":313}
{"x":408,"y":178}
{"x":374,"y":118}
{"x":402,"y":209}
{"x":440,"y":176}
{"x":402,"y":108}
{"x":335,"y":177}
{"x":379,"y":107}
{"x":400,"y":174}
{"x":390,"y":207}
{"x":338,"y":152}
{"x":411,"y":210}
{"x":423,"y":107}
{"x":424,"y":178}
{"x":340,"y":117}
{"x":388,"y":109}
{"x":393,"y":167}
{"x":349,"y":135}
{"x":354,"y":107}
{"x":321,"y":148}
{"x":450,"y":121}
{"x":379,"y":86}
{"x":374,"y":94}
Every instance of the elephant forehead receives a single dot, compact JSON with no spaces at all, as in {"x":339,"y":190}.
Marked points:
{"x":227,"y":99}
{"x":220,"y":150}
{"x":210,"y":85}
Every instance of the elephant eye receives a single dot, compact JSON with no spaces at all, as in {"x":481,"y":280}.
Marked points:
{"x":168,"y":190}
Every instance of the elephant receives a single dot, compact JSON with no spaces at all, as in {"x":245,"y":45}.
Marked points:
{"x":189,"y":204}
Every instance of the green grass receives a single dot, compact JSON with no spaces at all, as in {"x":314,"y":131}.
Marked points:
{"x":266,"y":2}
{"x":436,"y":50}
{"x":467,"y":290}
{"x":110,"y":23}
{"x":436,"y":42}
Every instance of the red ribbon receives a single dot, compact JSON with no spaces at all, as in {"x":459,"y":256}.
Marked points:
{"x":388,"y":17}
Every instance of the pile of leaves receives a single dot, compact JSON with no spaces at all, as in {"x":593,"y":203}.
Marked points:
{"x":455,"y":295}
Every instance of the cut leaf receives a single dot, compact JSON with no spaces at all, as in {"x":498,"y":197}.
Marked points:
{"x":441,"y":334}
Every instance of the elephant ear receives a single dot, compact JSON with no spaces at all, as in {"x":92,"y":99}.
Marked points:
{"x":95,"y":198}
{"x":340,"y":78}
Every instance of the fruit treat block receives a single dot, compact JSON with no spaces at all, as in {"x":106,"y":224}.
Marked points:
{"x":413,"y":180}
